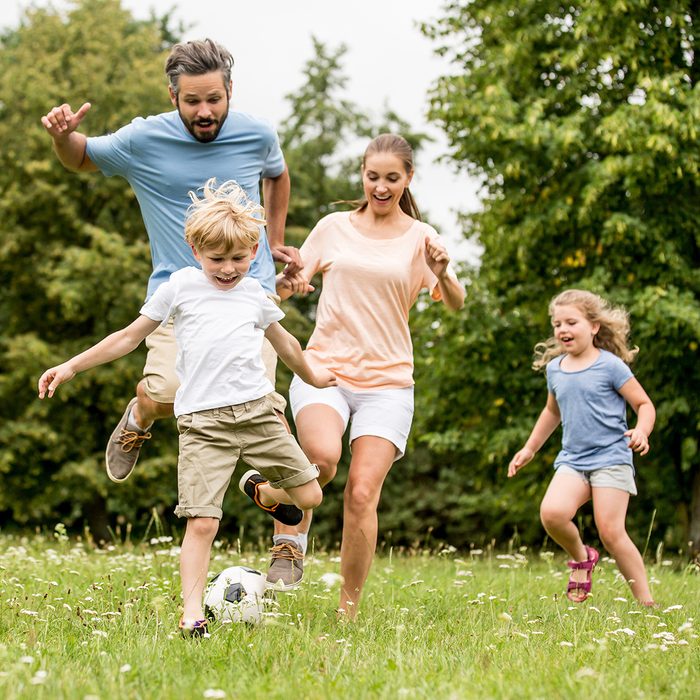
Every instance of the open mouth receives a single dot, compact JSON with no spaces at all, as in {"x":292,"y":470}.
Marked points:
{"x":226,"y":280}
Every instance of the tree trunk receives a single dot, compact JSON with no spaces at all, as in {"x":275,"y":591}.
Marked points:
{"x":694,"y":524}
{"x":96,"y":515}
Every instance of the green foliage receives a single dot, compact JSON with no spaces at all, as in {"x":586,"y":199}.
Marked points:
{"x":74,"y":259}
{"x":581,"y":121}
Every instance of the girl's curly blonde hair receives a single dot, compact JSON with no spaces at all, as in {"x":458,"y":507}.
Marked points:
{"x":223,"y":218}
{"x":613,"y":334}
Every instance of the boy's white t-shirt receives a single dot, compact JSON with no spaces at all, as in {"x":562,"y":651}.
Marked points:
{"x":219,"y":337}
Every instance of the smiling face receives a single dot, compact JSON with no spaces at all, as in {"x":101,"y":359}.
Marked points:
{"x":573,"y":330}
{"x":225,"y":268}
{"x":384,"y":179}
{"x":202,"y":103}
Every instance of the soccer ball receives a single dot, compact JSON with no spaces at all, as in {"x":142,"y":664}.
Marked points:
{"x":235,"y":595}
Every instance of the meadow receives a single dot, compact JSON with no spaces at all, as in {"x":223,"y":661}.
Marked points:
{"x":82,"y":622}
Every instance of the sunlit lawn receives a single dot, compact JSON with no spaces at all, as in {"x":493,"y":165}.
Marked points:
{"x":79,"y":622}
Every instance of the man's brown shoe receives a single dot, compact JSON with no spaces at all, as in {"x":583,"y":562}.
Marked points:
{"x":123,"y":448}
{"x":287,"y":566}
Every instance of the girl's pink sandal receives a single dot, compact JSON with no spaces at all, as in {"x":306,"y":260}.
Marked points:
{"x":583,"y":587}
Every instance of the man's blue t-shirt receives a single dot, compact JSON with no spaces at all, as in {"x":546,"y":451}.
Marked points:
{"x":162,"y":162}
{"x":593,"y":413}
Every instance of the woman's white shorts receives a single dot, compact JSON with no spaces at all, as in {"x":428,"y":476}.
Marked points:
{"x":385,"y":413}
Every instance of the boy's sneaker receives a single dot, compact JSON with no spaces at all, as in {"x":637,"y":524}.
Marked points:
{"x":250,"y":483}
{"x":287,"y":566}
{"x":193,"y":628}
{"x":123,"y":448}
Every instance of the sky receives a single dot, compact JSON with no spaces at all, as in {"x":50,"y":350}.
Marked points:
{"x":388,"y":63}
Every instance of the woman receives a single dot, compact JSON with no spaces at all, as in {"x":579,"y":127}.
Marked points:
{"x":375,"y":260}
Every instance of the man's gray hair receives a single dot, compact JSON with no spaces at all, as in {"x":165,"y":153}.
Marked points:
{"x":197,"y":58}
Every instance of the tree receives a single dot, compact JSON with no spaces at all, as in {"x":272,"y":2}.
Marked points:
{"x":73,"y":261}
{"x":581,"y":120}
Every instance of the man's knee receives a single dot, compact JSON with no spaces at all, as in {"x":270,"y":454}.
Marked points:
{"x":148,"y":408}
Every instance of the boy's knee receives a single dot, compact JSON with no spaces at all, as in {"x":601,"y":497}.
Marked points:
{"x":203,"y":527}
{"x":310,"y":497}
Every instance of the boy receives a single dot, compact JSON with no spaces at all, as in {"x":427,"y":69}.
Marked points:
{"x":222,"y":406}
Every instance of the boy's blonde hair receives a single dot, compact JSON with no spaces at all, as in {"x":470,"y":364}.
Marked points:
{"x":223,"y":218}
{"x":612,"y":336}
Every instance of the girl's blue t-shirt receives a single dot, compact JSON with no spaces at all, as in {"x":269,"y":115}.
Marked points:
{"x":162,"y":162}
{"x":593,"y":413}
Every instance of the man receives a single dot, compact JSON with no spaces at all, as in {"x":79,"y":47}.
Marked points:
{"x":163,"y":158}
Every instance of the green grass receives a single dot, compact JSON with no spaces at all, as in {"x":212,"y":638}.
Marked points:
{"x":77,"y":622}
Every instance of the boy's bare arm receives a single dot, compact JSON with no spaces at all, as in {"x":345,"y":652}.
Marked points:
{"x":116,"y":345}
{"x":289,"y":351}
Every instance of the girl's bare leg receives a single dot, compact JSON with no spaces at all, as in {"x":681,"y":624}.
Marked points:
{"x":610,"y":510}
{"x":565,"y":495}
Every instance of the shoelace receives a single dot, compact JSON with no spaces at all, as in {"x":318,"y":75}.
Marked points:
{"x":286,"y":551}
{"x":129,"y":439}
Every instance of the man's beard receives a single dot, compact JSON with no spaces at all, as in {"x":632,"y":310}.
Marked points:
{"x":207,"y":136}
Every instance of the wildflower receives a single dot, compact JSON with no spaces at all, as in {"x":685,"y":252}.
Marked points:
{"x":565,"y":644}
{"x":125,"y":668}
{"x":505,"y":616}
{"x":330,"y":579}
{"x":673,"y":607}
{"x":26,"y":659}
{"x":214,"y":693}
{"x":39,"y":677}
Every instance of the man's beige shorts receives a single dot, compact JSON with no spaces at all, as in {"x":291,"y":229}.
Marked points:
{"x":160,"y":380}
{"x":212,"y":442}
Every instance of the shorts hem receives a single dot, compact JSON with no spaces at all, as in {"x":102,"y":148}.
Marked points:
{"x":199,"y":512}
{"x":394,"y":437}
{"x":157,"y":396}
{"x":298,"y":479}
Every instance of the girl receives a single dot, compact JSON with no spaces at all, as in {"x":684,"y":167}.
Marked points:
{"x":374,"y":261}
{"x":589,"y":382}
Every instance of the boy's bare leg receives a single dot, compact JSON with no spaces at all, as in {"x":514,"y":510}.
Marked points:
{"x":194,"y":564}
{"x":306,"y":496}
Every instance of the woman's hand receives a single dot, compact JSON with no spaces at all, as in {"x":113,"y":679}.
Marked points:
{"x":436,"y":256}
